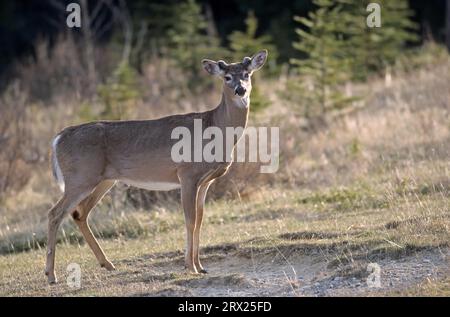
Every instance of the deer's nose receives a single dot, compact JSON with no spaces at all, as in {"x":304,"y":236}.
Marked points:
{"x":240,"y":91}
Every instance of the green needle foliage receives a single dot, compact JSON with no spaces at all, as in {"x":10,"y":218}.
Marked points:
{"x":322,"y":39}
{"x":338,"y":46}
{"x":189,"y":41}
{"x":119,"y":94}
{"x":247,"y":43}
{"x":373,"y":49}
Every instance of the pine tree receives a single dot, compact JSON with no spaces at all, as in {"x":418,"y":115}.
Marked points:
{"x":189,"y":41}
{"x":322,"y":40}
{"x":373,"y":49}
{"x":119,"y":94}
{"x":376,"y":48}
{"x":339,"y":46}
{"x":247,"y":43}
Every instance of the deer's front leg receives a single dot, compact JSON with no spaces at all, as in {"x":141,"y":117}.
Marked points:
{"x":189,"y":192}
{"x":203,"y":189}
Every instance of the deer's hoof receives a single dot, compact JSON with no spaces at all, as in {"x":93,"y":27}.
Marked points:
{"x":51,"y":277}
{"x":192,"y":270}
{"x":52,"y":280}
{"x":108,"y":265}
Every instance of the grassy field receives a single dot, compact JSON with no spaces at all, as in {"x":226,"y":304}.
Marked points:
{"x":281,"y":245}
{"x":370,"y":187}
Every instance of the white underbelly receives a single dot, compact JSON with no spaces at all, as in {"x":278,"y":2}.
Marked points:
{"x":151,"y":185}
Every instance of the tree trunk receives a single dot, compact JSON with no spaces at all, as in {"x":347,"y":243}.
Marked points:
{"x":89,"y":47}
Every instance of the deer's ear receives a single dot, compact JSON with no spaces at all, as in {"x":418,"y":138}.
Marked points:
{"x":211,"y":67}
{"x":258,"y":60}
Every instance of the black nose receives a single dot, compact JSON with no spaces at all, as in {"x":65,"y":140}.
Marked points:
{"x":240,"y":91}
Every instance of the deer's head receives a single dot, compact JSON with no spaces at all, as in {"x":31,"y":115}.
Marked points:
{"x":236,"y":76}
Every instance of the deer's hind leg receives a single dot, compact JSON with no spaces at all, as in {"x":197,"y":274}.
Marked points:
{"x":80,"y":215}
{"x":71,"y":198}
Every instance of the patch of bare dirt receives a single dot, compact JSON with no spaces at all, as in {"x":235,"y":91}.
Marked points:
{"x":298,"y":274}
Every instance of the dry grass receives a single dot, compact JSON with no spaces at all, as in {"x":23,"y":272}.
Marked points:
{"x":433,"y":288}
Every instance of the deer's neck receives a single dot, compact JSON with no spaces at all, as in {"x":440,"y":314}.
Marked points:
{"x":231,"y":112}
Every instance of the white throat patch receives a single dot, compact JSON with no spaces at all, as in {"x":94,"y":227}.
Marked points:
{"x":242,"y":102}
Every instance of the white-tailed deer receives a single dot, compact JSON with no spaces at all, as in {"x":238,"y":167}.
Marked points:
{"x":88,"y":159}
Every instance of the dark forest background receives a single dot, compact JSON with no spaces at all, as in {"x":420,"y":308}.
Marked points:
{"x":22,"y":22}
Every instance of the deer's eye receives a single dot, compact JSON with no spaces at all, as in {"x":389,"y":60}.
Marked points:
{"x":228,"y":78}
{"x":246,"y":76}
